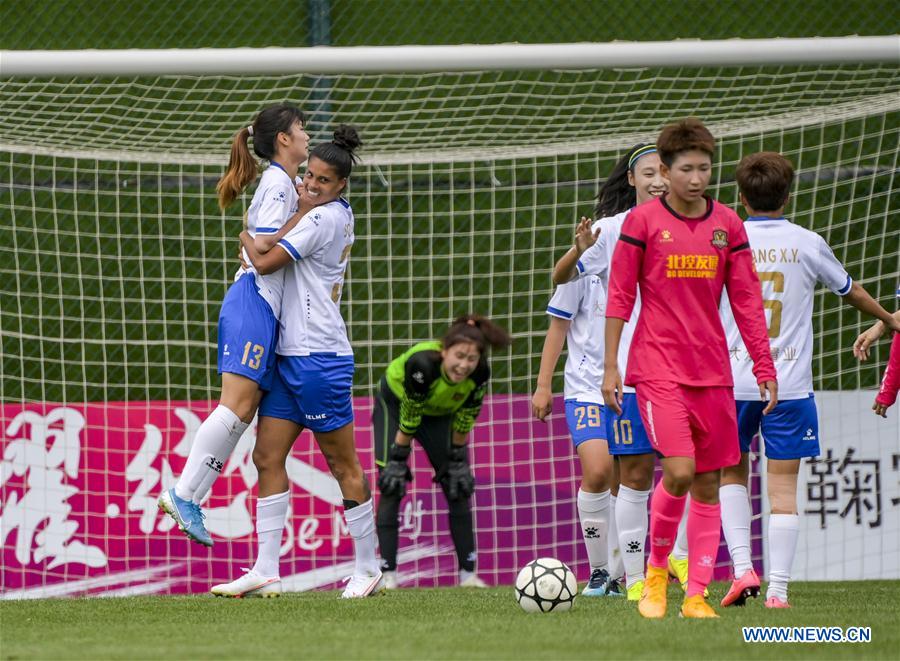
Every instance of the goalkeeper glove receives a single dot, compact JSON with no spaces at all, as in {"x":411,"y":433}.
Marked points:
{"x":456,"y":476}
{"x":395,"y":475}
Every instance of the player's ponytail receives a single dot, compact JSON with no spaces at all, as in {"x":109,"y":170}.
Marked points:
{"x":242,"y":167}
{"x":617,"y":195}
{"x":340,"y":153}
{"x":477,"y":329}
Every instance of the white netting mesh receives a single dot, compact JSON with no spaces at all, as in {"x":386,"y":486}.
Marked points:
{"x":114,"y":260}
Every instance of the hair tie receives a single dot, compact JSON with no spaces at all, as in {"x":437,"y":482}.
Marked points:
{"x":250,"y":130}
{"x":643,"y":151}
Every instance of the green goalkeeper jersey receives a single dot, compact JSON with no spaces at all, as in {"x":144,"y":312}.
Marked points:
{"x":417,"y":379}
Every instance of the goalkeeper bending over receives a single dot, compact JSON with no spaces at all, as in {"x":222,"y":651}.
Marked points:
{"x":433,"y":393}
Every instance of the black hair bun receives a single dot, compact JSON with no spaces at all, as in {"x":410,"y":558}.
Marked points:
{"x":346,"y":137}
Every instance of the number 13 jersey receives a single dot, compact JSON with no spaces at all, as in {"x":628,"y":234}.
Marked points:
{"x":790,"y":261}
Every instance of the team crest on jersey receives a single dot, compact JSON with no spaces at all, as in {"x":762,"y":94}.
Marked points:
{"x":665,"y":237}
{"x":719,"y":239}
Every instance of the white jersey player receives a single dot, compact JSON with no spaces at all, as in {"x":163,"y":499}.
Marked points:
{"x":314,"y":376}
{"x":248,"y":320}
{"x":791,"y":261}
{"x":577,"y":313}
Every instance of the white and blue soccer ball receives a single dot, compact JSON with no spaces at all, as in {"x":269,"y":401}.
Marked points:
{"x":545,"y":585}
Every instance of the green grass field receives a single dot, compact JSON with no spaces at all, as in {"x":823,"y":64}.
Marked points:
{"x":437,"y":624}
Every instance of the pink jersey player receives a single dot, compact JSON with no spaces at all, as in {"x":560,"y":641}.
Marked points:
{"x":682,"y":250}
{"x":890,"y":384}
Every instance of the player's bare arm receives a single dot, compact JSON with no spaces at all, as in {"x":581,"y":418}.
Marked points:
{"x":542,"y":400}
{"x":264,"y":263}
{"x":612,"y":380}
{"x":585,"y":237}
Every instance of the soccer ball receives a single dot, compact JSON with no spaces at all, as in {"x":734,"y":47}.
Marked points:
{"x":545,"y":585}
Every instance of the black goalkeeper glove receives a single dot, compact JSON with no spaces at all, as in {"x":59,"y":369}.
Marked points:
{"x":456,"y":476}
{"x":395,"y":475}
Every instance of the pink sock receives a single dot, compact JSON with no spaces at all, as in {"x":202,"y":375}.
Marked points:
{"x":703,"y":544}
{"x":665,"y":513}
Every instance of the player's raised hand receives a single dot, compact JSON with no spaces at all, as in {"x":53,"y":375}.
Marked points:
{"x":612,"y":389}
{"x":541,"y":403}
{"x":769,"y":390}
{"x":866,"y":339}
{"x":585,"y":237}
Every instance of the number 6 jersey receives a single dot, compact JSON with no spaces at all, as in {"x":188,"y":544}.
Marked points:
{"x":789,"y":260}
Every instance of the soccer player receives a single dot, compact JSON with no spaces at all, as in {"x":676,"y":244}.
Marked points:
{"x":312,"y":389}
{"x":890,"y":384}
{"x":248,"y":319}
{"x":433,"y":393}
{"x":790,"y":261}
{"x":614,"y":526}
{"x":683,"y":249}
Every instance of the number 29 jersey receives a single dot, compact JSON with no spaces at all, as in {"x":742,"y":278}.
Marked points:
{"x":790,"y":261}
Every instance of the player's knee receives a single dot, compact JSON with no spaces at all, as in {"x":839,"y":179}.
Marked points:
{"x":638,"y":476}
{"x":595,"y":479}
{"x":267,"y":460}
{"x":782,"y":492}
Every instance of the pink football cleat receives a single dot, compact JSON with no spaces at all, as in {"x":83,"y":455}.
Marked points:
{"x":741,"y":589}
{"x":775,"y":602}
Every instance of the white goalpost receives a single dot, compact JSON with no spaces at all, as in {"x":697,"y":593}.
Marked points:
{"x":477,"y":162}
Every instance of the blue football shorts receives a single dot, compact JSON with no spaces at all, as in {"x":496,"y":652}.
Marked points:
{"x":314,"y":391}
{"x":790,"y":431}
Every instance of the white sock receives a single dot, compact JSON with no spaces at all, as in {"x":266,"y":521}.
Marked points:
{"x":631,"y":521}
{"x":593,"y":513}
{"x":212,"y":446}
{"x":680,"y":550}
{"x":361,"y":524}
{"x":616,"y":565}
{"x":784,"y":529}
{"x":222,"y":458}
{"x":736,"y":515}
{"x":271,"y":513}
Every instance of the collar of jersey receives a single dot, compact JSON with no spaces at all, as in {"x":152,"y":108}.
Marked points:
{"x":278,"y":165}
{"x":707,"y":214}
{"x":762,"y":218}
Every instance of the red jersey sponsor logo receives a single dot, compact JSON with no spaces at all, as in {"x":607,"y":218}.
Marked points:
{"x":692,"y":266}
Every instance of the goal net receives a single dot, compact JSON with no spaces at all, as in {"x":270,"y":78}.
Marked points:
{"x":114,"y":259}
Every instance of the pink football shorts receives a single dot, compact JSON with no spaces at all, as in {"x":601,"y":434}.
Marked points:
{"x":690,"y":422}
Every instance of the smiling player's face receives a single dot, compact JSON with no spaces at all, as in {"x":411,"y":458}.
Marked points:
{"x":460,"y":360}
{"x":321,"y":182}
{"x":689,"y":175}
{"x":647,"y":179}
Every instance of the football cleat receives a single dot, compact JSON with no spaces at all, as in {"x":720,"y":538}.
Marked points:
{"x":250,"y":584}
{"x":678,"y":569}
{"x":363,"y":586}
{"x":742,"y":589}
{"x":601,"y":585}
{"x":472,"y":581}
{"x":391,"y":582}
{"x":653,"y":599}
{"x":187,"y":515}
{"x":776,"y":602}
{"x":696,"y":607}
{"x":635,"y":591}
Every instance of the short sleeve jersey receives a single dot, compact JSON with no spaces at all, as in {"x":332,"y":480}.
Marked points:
{"x":596,"y":261}
{"x":682,"y":266}
{"x":790,"y":262}
{"x":418,"y":380}
{"x":274,"y":202}
{"x":320,"y":247}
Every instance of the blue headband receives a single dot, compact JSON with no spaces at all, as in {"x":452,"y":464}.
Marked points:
{"x":643,"y":151}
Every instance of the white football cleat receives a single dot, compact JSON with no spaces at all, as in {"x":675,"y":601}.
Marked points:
{"x":250,"y":584}
{"x":390,"y":580}
{"x":360,"y":586}
{"x":471,"y":581}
